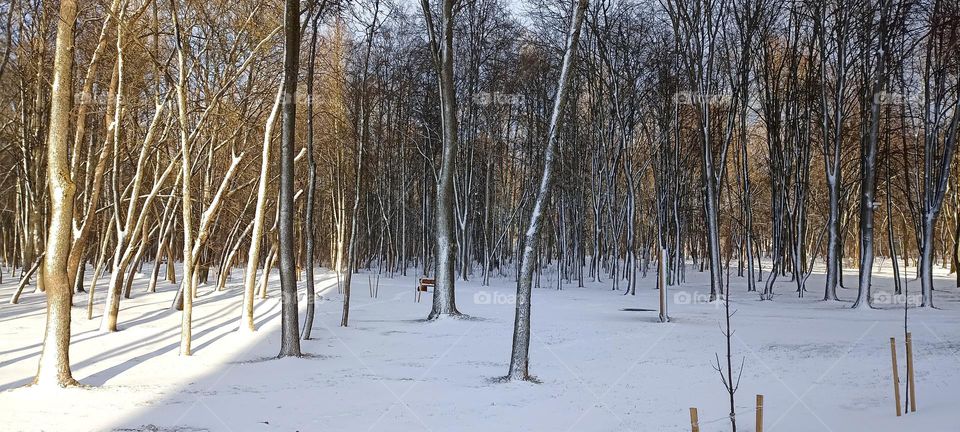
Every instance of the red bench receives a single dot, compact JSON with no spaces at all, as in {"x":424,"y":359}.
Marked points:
{"x":422,"y":287}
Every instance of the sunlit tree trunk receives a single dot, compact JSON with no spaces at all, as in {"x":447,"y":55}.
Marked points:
{"x":290,"y":323}
{"x":186,"y":319}
{"x":256,"y":235}
{"x":54,"y":367}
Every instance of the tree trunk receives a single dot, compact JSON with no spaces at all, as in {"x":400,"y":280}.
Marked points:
{"x":256,"y":235}
{"x":290,"y":327}
{"x":444,"y":302}
{"x":54,"y":365}
{"x":311,"y":188}
{"x":520,"y":357}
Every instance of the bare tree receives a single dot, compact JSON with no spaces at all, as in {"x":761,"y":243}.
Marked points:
{"x":520,"y":357}
{"x":442,"y":53}
{"x":309,"y":210}
{"x":54,"y":367}
{"x":256,"y":234}
{"x":832,"y":24}
{"x":290,"y":327}
{"x":941,"y":120}
{"x":697,"y":25}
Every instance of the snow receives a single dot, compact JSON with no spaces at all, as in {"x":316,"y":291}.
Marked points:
{"x":819,"y":365}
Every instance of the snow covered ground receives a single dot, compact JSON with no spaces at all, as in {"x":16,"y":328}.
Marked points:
{"x":602,"y":368}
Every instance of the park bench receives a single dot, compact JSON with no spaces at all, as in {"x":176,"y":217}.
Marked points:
{"x":423,"y":285}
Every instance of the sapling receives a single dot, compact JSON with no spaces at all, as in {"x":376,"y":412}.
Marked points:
{"x":726,"y":374}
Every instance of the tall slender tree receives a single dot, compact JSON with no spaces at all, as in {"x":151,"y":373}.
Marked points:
{"x":940,"y":126}
{"x":520,"y":357}
{"x":832,"y":27}
{"x":697,"y":25}
{"x":309,"y":210}
{"x":54,"y":368}
{"x":290,"y":326}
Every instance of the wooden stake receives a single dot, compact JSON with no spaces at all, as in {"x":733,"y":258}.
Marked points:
{"x":896,"y":375}
{"x":911,"y":387}
{"x":662,"y":282}
{"x":694,"y":420}
{"x":759,"y":413}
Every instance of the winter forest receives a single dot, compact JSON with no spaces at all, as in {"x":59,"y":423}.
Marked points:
{"x":597,"y":215}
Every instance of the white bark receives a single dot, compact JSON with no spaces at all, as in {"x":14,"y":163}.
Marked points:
{"x":253,"y":255}
{"x":520,"y":357}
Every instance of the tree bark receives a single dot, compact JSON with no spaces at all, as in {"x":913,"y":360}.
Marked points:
{"x":520,"y":357}
{"x":54,"y":365}
{"x":290,"y":326}
{"x":441,"y":46}
{"x":256,"y":236}
{"x":311,"y":188}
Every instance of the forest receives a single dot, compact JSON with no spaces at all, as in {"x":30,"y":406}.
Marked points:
{"x":291,"y":152}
